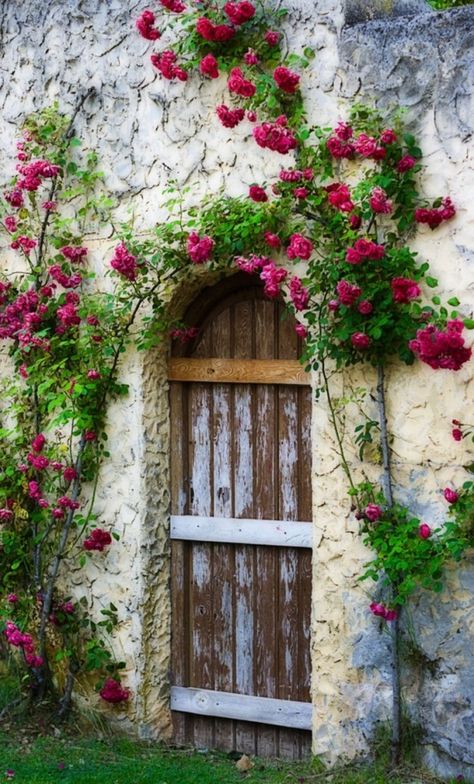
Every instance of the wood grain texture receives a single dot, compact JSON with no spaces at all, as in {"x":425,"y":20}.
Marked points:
{"x":283,"y":713}
{"x":232,"y":530}
{"x":233,"y":371}
{"x":241,"y":472}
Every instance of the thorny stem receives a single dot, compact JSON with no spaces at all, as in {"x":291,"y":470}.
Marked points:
{"x":42,"y":673}
{"x":395,"y":624}
{"x":66,"y":136}
{"x":333,"y":418}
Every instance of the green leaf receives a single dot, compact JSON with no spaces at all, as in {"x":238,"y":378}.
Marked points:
{"x":454,"y":302}
{"x":431,"y":282}
{"x":468,"y":323}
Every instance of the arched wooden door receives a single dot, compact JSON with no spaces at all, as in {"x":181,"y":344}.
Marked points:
{"x":241,"y":536}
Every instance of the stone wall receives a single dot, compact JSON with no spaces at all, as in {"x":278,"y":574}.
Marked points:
{"x":145,"y":131}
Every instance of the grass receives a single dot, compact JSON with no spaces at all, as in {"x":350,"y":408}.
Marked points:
{"x":38,"y":752}
{"x":47,"y":760}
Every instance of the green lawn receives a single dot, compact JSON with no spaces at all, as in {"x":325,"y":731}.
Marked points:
{"x":47,"y":760}
{"x":39,"y":753}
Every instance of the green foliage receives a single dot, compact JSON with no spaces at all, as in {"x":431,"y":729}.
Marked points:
{"x":443,"y":5}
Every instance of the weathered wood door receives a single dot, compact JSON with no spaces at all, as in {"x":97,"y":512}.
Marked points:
{"x":241,"y":501}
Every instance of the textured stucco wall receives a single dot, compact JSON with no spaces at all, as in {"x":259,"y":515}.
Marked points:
{"x":146,"y":130}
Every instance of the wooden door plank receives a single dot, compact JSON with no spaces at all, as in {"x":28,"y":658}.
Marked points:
{"x":179,"y":619}
{"x":245,"y":577}
{"x":201,"y":608}
{"x":234,"y":530}
{"x":223,"y":556}
{"x":206,"y":702}
{"x":238,"y":371}
{"x":266,"y":328}
{"x":289,"y":623}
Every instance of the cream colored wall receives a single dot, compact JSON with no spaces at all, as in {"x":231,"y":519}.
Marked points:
{"x":146,"y":130}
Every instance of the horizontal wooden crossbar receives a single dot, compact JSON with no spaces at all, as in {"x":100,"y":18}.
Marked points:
{"x":231,"y":530}
{"x":204,"y":702}
{"x":239,"y":371}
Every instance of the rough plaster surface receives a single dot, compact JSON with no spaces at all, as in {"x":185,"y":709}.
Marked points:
{"x":146,"y":130}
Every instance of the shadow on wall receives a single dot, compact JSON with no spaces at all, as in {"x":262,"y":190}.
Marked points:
{"x":423,"y":61}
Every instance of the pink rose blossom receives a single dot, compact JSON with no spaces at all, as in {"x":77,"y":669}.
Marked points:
{"x":144,"y":25}
{"x":113,"y":692}
{"x":373,"y":512}
{"x":433,"y":217}
{"x":291,"y":175}
{"x":360,"y":341}
{"x":286,"y":80}
{"x":74,"y":253}
{"x":275,"y":136}
{"x":301,"y":330}
{"x":381,"y":611}
{"x":256,"y":193}
{"x":240,"y":12}
{"x":339,"y":149}
{"x":343,"y":131}
{"x":14,"y":198}
{"x":230,"y":117}
{"x":424,"y":531}
{"x":368,"y":147}
{"x":272,"y":37}
{"x":441,"y":348}
{"x":70,"y":474}
{"x":301,"y":193}
{"x":299,"y":248}
{"x":272,"y":276}
{"x":405,"y":164}
{"x":209,"y":66}
{"x":250,"y":58}
{"x":365,"y":307}
{"x":348,"y":293}
{"x":364,"y":249}
{"x":94,"y":375}
{"x":272,"y":240}
{"x":165,"y":63}
{"x":404,"y":289}
{"x":457,"y":434}
{"x":97,"y":540}
{"x":177,"y":6}
{"x":339,"y":197}
{"x":211,"y":32}
{"x":124,"y":262}
{"x":26,"y":244}
{"x":379,"y":202}
{"x":239,"y":85}
{"x":299,"y":295}
{"x":10,"y":223}
{"x":184,"y":335}
{"x":199,"y":248}
{"x":388,"y":136}
{"x":38,"y":442}
{"x":252,"y":263}
{"x":450,"y":495}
